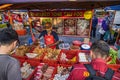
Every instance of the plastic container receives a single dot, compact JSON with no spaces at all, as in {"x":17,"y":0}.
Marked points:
{"x":114,"y":66}
{"x":70,"y":55}
{"x":85,"y":47}
{"x":33,"y":64}
{"x":19,"y":57}
{"x":76,"y":43}
{"x":64,"y":46}
{"x":85,"y":55}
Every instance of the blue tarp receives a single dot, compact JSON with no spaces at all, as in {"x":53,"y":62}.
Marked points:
{"x":116,"y":7}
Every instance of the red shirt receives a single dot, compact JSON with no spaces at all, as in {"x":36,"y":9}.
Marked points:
{"x":80,"y":72}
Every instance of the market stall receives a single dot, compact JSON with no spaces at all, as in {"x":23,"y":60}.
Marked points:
{"x":66,"y":22}
{"x":46,"y":63}
{"x":38,"y":62}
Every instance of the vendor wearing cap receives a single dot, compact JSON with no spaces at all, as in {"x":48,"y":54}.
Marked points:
{"x":50,"y":37}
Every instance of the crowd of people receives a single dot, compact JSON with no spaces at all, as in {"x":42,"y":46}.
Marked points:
{"x":104,"y":29}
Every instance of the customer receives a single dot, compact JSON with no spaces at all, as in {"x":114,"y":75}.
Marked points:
{"x":37,"y":26}
{"x":94,"y":25}
{"x":9,"y":66}
{"x":50,"y":37}
{"x":105,"y":25}
{"x":99,"y":53}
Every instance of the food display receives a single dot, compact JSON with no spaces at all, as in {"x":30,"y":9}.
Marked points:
{"x":58,"y":25}
{"x":62,"y":73}
{"x":82,"y":27}
{"x":22,"y":50}
{"x":84,"y":57}
{"x":69,"y":25}
{"x":31,"y":55}
{"x":26,"y":70}
{"x":39,"y":51}
{"x":44,"y":72}
{"x":52,"y":54}
{"x":113,"y":56}
{"x":68,"y":57}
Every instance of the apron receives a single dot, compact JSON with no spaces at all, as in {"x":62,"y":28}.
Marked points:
{"x":49,"y":39}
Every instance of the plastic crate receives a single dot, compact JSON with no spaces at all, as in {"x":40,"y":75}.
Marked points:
{"x":114,"y":66}
{"x":63,"y":65}
{"x":52,"y":61}
{"x":19,"y":57}
{"x":87,"y":53}
{"x":40,"y":59}
{"x":33,"y":64}
{"x":52,"y":75}
{"x":117,"y":61}
{"x":70,"y":54}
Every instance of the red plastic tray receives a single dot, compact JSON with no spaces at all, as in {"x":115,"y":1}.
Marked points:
{"x":87,"y":52}
{"x":34,"y":64}
{"x":70,"y":54}
{"x":114,"y":66}
{"x":19,"y":57}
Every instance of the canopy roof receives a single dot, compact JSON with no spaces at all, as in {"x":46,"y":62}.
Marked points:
{"x":57,"y":4}
{"x":116,"y":7}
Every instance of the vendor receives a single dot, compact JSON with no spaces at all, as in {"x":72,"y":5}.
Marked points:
{"x":50,"y":37}
{"x":37,"y":26}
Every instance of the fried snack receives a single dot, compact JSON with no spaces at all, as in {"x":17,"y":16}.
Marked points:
{"x":52,"y":54}
{"x":22,"y":50}
{"x":38,"y":50}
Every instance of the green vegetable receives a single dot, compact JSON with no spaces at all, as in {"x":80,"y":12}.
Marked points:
{"x":3,"y":25}
{"x":119,"y":54}
{"x":112,"y":53}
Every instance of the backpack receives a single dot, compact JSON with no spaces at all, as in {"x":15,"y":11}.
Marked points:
{"x":108,"y":75}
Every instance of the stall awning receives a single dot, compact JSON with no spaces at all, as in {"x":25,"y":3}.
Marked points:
{"x":58,"y":4}
{"x":116,"y":7}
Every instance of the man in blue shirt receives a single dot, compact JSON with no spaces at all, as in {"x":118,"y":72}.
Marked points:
{"x":94,"y":25}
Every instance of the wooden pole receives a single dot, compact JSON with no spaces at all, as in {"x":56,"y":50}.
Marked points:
{"x":10,"y":19}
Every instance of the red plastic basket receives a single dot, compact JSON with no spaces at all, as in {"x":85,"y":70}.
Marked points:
{"x":55,"y":72}
{"x":40,"y":59}
{"x":19,"y":57}
{"x":70,"y":54}
{"x":117,"y":61}
{"x":37,"y":59}
{"x":51,"y":61}
{"x":87,"y":52}
{"x":114,"y":66}
{"x":34,"y":64}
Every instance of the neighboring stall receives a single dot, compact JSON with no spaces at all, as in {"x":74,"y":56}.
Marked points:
{"x":72,"y":22}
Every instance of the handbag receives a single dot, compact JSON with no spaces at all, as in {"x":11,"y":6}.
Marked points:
{"x":101,"y":31}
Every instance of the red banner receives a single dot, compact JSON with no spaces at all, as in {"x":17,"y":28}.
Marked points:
{"x":75,"y":13}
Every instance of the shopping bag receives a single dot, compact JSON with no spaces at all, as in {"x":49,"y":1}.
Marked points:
{"x":101,"y":31}
{"x":107,"y":35}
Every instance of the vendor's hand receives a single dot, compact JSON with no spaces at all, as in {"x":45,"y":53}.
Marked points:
{"x":37,"y":40}
{"x":47,"y":46}
{"x":61,"y":42}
